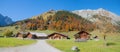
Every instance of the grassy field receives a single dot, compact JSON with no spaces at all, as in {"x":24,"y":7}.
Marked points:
{"x":89,"y":46}
{"x":113,"y":40}
{"x":12,"y":42}
{"x":11,"y":28}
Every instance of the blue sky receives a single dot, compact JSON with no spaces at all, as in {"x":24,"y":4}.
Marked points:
{"x":22,"y":9}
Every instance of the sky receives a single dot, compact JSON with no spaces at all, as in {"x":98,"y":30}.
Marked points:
{"x":23,"y":9}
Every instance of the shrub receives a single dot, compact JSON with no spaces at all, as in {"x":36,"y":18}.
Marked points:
{"x":7,"y":33}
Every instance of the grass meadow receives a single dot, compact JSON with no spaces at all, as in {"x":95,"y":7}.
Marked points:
{"x":113,"y":42}
{"x":11,"y":28}
{"x":89,"y":46}
{"x":13,"y":42}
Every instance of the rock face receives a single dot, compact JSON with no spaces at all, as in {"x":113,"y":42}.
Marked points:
{"x":101,"y":18}
{"x":88,"y":14}
{"x":5,"y":20}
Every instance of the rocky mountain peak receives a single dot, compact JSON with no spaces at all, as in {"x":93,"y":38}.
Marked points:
{"x":5,"y":20}
{"x":89,"y":13}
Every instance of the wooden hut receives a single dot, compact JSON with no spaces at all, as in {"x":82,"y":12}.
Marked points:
{"x":57,"y":36}
{"x":82,"y":35}
{"x":21,"y":35}
{"x":31,"y":36}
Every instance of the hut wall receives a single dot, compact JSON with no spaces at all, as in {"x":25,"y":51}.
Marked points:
{"x":84,"y":36}
{"x":29,"y":36}
{"x":20,"y":36}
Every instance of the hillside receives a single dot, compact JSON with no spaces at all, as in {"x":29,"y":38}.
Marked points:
{"x":45,"y":15}
{"x":101,"y":18}
{"x":62,"y":20}
{"x":57,"y":20}
{"x":5,"y":20}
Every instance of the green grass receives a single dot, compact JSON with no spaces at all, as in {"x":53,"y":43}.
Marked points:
{"x":89,"y":46}
{"x":70,"y":34}
{"x":113,"y":40}
{"x":12,"y":42}
{"x":11,"y":28}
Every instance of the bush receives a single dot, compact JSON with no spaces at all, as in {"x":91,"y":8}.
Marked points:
{"x":7,"y":33}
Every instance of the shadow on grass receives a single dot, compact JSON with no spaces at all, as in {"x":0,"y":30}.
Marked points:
{"x":110,"y":43}
{"x":1,"y":36}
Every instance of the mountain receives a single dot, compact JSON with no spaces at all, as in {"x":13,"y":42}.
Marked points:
{"x":101,"y":18}
{"x":62,"y":20}
{"x":5,"y":20}
{"x":88,"y":14}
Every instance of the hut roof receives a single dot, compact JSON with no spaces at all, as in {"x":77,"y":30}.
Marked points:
{"x":79,"y":33}
{"x":38,"y":34}
{"x":57,"y":33}
{"x":82,"y":32}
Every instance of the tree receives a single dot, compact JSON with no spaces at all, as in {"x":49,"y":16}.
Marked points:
{"x":23,"y":28}
{"x":7,"y":33}
{"x":16,"y":27}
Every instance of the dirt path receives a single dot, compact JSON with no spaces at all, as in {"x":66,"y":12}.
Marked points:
{"x":40,"y":46}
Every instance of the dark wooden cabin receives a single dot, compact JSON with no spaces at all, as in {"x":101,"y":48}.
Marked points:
{"x":82,"y":35}
{"x":26,"y":35}
{"x":21,"y":35}
{"x":57,"y":36}
{"x":31,"y":36}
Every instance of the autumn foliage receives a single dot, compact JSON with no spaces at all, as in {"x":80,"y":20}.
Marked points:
{"x":60,"y":21}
